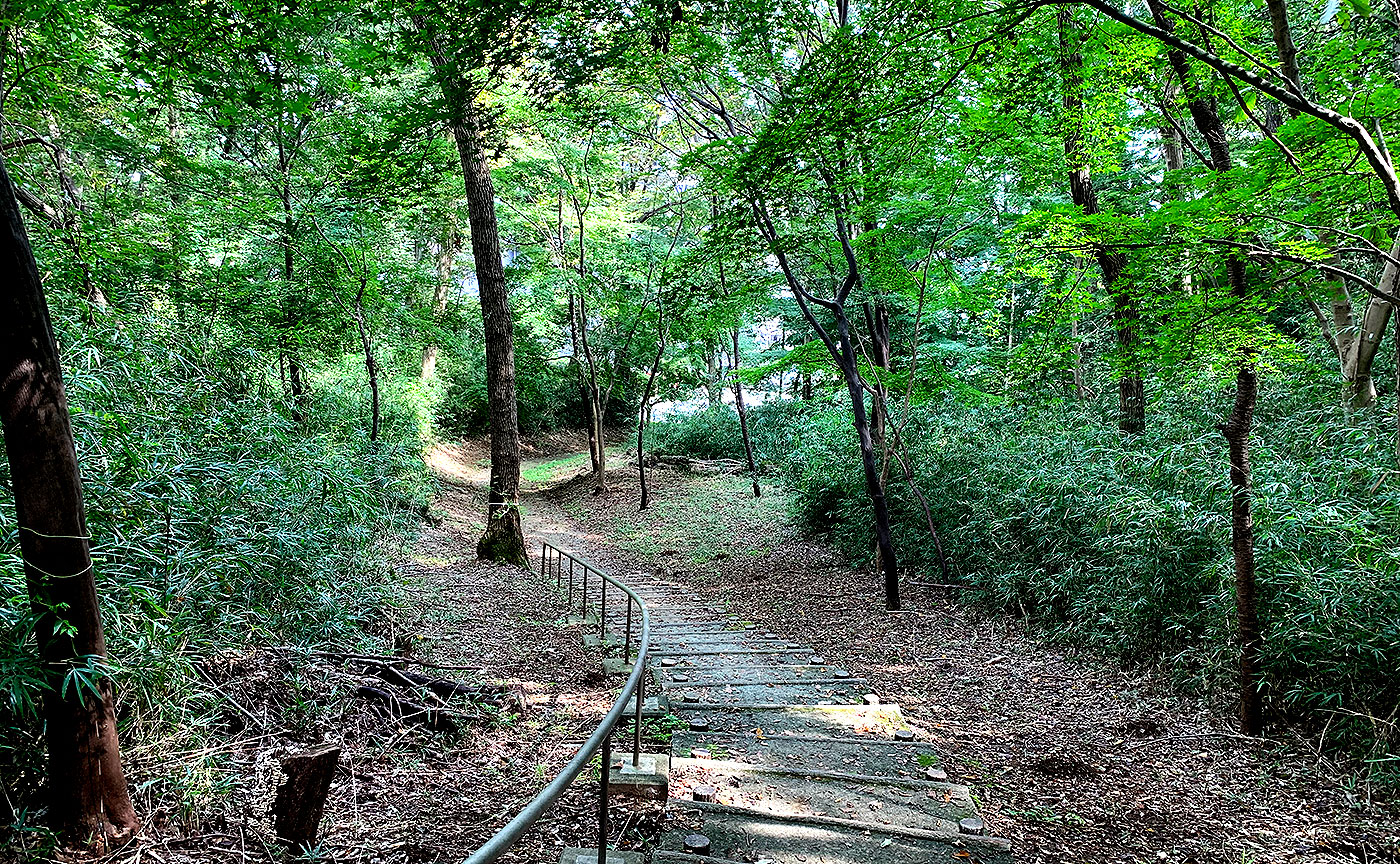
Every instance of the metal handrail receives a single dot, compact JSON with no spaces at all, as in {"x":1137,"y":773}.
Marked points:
{"x":601,"y":739}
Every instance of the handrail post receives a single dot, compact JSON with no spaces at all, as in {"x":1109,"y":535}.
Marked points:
{"x":603,"y":612}
{"x":637,"y":721}
{"x":603,"y":799}
{"x":627,"y":641}
{"x":599,"y":744}
{"x":583,"y":584}
{"x":544,"y":558}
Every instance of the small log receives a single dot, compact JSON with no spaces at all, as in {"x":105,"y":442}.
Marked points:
{"x":447,"y":689}
{"x":301,"y":799}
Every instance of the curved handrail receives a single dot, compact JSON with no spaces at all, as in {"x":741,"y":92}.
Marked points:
{"x":509,"y":835}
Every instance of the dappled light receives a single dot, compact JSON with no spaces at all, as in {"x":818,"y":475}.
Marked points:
{"x":880,"y":432}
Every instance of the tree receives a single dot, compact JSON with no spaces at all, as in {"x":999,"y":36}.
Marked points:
{"x":1132,"y":399}
{"x":87,"y":787}
{"x":504,"y":538}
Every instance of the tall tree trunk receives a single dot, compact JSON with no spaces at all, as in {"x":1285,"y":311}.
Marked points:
{"x":89,"y":801}
{"x":504,"y":538}
{"x":1241,"y":422}
{"x":842,"y":352}
{"x":1251,"y":638}
{"x":884,"y":544}
{"x":443,"y":261}
{"x":1132,"y":400}
{"x":744,"y":417}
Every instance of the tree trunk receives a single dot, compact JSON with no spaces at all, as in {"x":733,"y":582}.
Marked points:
{"x":884,"y":545}
{"x":371,"y":366}
{"x":597,"y":443}
{"x":1081,"y":393}
{"x":843,"y":353}
{"x":298,"y":388}
{"x":446,"y":255}
{"x":1368,"y":339}
{"x":1237,"y":432}
{"x":584,"y":389}
{"x":504,"y":538}
{"x":644,"y":412}
{"x":714,"y":386}
{"x":1132,"y":400}
{"x":89,"y":802}
{"x":744,"y":418}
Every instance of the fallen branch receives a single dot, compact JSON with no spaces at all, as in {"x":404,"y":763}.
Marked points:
{"x":390,"y":658}
{"x":411,"y":712}
{"x":1234,"y":736}
{"x":438,"y":686}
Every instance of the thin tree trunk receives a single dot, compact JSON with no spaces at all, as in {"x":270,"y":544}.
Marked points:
{"x":298,"y":388}
{"x":1081,"y":394}
{"x":843,"y":353}
{"x":884,"y":545}
{"x":744,"y":417}
{"x":1132,"y":400}
{"x":504,"y":538}
{"x":595,"y":405}
{"x":371,"y":366}
{"x":1241,"y":422}
{"x":583,"y":385}
{"x":89,"y":801}
{"x":644,"y":413}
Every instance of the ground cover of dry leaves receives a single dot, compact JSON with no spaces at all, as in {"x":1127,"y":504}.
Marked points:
{"x":1071,"y":757}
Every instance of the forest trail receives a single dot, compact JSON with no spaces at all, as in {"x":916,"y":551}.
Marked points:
{"x":1067,"y":755}
{"x":778,"y":754}
{"x":785,"y":757}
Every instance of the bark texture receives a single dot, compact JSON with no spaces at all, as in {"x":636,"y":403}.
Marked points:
{"x":301,"y":799}
{"x":1237,"y":430}
{"x":89,"y":802}
{"x":504,"y":538}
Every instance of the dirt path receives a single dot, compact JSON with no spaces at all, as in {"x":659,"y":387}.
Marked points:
{"x":1070,"y":757}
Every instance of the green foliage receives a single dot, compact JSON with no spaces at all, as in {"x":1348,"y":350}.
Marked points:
{"x":1123,"y":543}
{"x":217,"y":522}
{"x":776,"y":427}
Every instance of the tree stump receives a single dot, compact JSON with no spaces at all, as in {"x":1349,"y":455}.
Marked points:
{"x":301,"y":799}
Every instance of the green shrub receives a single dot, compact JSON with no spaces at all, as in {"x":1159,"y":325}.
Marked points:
{"x":1123,"y":543}
{"x":775,"y":427}
{"x":217,"y":521}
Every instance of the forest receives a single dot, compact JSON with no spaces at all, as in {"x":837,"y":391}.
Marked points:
{"x":1070,"y":316}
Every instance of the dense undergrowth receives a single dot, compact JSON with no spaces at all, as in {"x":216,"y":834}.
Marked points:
{"x":1123,"y":543}
{"x":218,"y":522}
